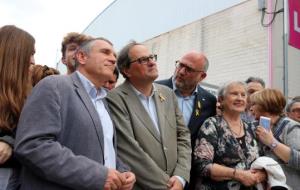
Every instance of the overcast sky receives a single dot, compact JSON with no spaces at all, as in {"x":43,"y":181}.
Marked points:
{"x":49,"y":21}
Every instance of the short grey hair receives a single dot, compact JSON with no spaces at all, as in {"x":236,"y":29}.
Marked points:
{"x":290,"y":105}
{"x":222,"y":92}
{"x":123,"y":60}
{"x":87,"y":46}
{"x":206,"y":64}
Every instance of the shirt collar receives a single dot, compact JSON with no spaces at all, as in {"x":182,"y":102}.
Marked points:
{"x":140,"y":94}
{"x":90,"y":88}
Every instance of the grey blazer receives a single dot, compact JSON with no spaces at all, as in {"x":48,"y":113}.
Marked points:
{"x":153,"y":157}
{"x":59,"y":138}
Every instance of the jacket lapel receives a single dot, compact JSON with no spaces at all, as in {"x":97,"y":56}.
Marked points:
{"x":142,"y":114}
{"x":197,"y":112}
{"x":90,"y":108}
{"x":159,"y":99}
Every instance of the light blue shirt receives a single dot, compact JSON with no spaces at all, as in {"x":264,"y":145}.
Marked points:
{"x":150,"y":107}
{"x":97,"y":96}
{"x":186,"y":104}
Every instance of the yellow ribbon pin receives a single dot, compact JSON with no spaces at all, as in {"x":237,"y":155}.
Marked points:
{"x":197,"y":111}
{"x":161,"y":97}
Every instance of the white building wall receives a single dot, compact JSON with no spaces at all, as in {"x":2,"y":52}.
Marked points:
{"x":233,"y":40}
{"x":228,"y":31}
{"x":124,"y":20}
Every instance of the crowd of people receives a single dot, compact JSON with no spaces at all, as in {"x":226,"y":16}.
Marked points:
{"x":81,"y":131}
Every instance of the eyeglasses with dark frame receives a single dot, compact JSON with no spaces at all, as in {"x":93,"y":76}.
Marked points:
{"x":180,"y":65}
{"x":145,"y":60}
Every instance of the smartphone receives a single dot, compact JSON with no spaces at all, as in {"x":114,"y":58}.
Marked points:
{"x":265,"y":122}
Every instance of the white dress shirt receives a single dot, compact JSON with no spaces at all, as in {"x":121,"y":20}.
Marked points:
{"x":97,"y":96}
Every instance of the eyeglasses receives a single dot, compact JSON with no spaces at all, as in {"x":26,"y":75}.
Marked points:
{"x":145,"y":60}
{"x":188,"y":69}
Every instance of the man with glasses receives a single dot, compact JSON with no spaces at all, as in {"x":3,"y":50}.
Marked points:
{"x":196,"y":103}
{"x":152,"y":137}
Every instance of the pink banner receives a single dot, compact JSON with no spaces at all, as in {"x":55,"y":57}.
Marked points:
{"x":294,"y":20}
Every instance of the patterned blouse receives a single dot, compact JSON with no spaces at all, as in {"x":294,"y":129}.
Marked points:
{"x":216,"y":144}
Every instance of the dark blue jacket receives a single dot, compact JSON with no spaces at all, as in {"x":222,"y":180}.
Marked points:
{"x":207,"y":108}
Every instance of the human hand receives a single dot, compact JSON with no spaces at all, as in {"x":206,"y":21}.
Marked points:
{"x":174,"y":184}
{"x":246,"y":177}
{"x":5,"y":152}
{"x":264,"y":136}
{"x":260,"y":175}
{"x":114,"y":180}
{"x":129,"y":180}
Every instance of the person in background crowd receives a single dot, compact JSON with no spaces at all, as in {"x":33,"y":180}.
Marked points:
{"x":195,"y":102}
{"x":293,"y":110}
{"x":69,"y":45}
{"x":226,"y":145}
{"x":254,"y":84}
{"x":152,"y":137}
{"x":38,"y":72}
{"x":111,"y":83}
{"x":297,"y":98}
{"x":281,"y":138}
{"x":65,"y":138}
{"x":16,"y":55}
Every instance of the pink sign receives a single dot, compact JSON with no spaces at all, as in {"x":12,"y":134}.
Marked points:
{"x":294,"y":20}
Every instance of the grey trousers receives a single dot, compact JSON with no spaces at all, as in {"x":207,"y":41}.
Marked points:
{"x":9,"y":179}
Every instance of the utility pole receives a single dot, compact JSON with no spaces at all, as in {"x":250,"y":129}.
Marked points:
{"x":285,"y":48}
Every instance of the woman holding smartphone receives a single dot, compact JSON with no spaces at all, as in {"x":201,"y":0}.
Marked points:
{"x":282,"y":141}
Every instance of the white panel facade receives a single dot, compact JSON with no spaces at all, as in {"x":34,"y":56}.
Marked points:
{"x":124,"y":20}
{"x":233,"y":40}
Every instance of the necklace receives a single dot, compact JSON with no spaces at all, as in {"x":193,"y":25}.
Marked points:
{"x":240,"y":130}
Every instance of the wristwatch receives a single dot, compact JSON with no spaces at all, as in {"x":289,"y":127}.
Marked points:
{"x":274,"y":144}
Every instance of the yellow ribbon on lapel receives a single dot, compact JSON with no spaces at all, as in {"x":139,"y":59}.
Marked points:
{"x":161,"y":97}
{"x":197,"y":111}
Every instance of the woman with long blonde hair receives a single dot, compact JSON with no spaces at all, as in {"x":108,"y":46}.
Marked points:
{"x":16,"y":56}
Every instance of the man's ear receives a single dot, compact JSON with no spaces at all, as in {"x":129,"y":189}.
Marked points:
{"x":203,"y":75}
{"x":125,"y":71}
{"x":81,"y":57}
{"x":63,"y":60}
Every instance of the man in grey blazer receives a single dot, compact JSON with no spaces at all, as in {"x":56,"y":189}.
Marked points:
{"x":152,"y":137}
{"x":65,"y":137}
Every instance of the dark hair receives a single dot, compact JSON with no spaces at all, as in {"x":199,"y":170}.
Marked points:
{"x":16,"y":49}
{"x":116,"y":72}
{"x":38,"y":72}
{"x":256,"y":79}
{"x":123,"y":60}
